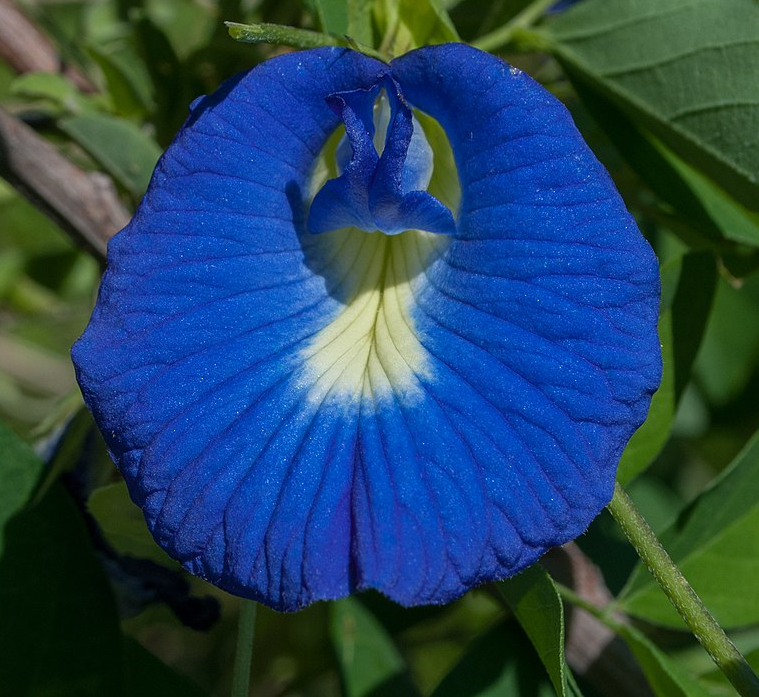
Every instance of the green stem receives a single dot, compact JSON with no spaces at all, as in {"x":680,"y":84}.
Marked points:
{"x":280,"y":35}
{"x":246,"y":627}
{"x":525,"y":19}
{"x":599,"y":613}
{"x":704,"y":627}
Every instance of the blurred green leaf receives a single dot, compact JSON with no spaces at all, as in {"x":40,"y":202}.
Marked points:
{"x":360,"y":21}
{"x":688,"y":285}
{"x":72,"y":427}
{"x":369,"y":661}
{"x":649,"y":439}
{"x":61,"y":632}
{"x":473,"y":18}
{"x":696,"y":661}
{"x":500,"y":662}
{"x":534,"y":600}
{"x":62,"y":22}
{"x":333,"y":16}
{"x":665,"y":676}
{"x":126,"y":81}
{"x":20,"y":471}
{"x":690,"y":311}
{"x":12,"y":262}
{"x":123,"y":524}
{"x":408,"y":24}
{"x":171,"y":84}
{"x":684,"y":70}
{"x":123,"y":150}
{"x":730,"y":354}
{"x":715,"y":542}
{"x":52,"y":86}
{"x":18,"y":218}
{"x":7,"y":76}
{"x":187,"y":24}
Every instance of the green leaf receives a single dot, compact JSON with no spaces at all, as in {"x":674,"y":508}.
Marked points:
{"x":19,"y":216}
{"x":688,"y":285}
{"x":715,"y":542}
{"x":187,"y":25}
{"x":171,"y":82}
{"x":333,"y":16}
{"x":734,"y":221}
{"x":534,"y":600}
{"x":369,"y":661}
{"x":650,"y":438}
{"x":690,"y":310}
{"x":123,"y":150}
{"x":685,"y":70}
{"x":75,"y":424}
{"x":408,"y":24}
{"x":473,"y":21}
{"x":123,"y":524}
{"x":20,"y":472}
{"x":647,"y":442}
{"x":126,"y":81}
{"x":665,"y":676}
{"x":360,"y":21}
{"x":52,"y":86}
{"x":61,"y":631}
{"x":688,"y":198}
{"x":498,"y":663}
{"x":730,"y":354}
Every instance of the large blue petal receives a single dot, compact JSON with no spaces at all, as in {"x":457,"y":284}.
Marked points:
{"x":190,"y":363}
{"x":301,"y":416}
{"x":540,"y":317}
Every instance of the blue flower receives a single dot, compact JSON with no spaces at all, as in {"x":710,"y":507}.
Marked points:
{"x":325,"y":365}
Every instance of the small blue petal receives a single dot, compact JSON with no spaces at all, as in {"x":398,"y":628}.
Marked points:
{"x":378,"y":192}
{"x":417,"y":169}
{"x":302,"y":416}
{"x":344,"y":201}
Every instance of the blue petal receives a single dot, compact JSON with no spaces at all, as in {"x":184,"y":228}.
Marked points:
{"x":376,"y":192}
{"x":344,"y":201}
{"x":301,"y":416}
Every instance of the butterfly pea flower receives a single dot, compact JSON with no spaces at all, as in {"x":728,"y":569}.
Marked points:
{"x":373,"y":325}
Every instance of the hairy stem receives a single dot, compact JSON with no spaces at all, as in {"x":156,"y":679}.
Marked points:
{"x":704,"y":627}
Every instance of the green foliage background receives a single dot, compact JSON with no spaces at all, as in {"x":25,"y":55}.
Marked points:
{"x":667,"y":94}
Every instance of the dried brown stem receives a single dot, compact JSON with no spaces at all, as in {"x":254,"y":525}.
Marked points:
{"x":83,"y":204}
{"x":26,"y":49}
